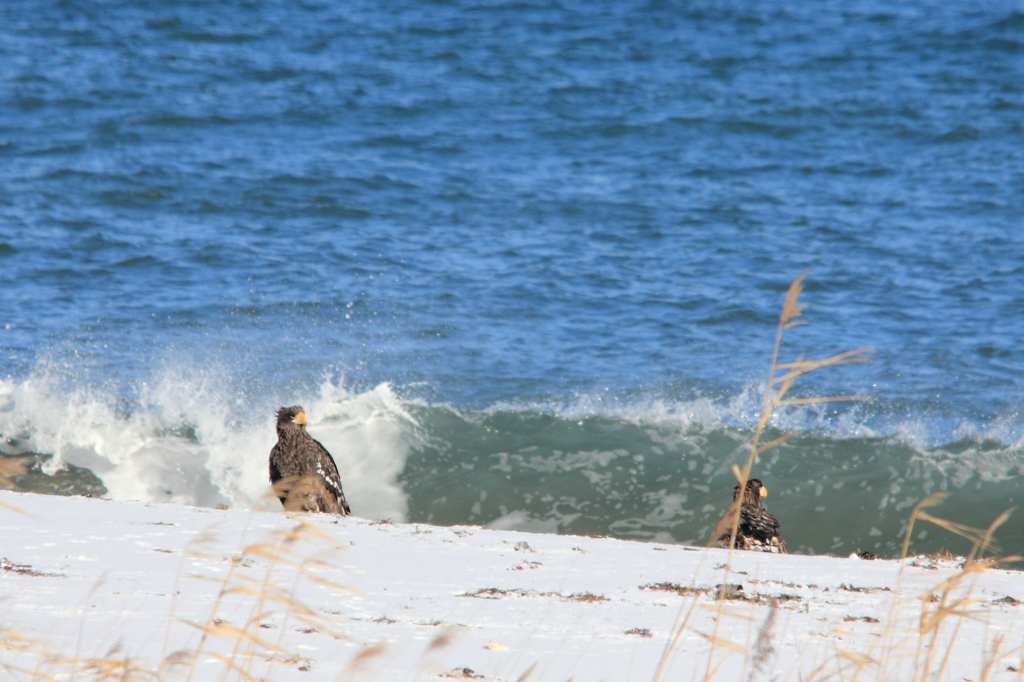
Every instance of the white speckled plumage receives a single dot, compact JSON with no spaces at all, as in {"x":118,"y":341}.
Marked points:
{"x":302,"y":471}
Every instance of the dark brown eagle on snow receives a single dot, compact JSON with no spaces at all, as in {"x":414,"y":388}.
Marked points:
{"x":302,"y":472}
{"x":758,"y":530}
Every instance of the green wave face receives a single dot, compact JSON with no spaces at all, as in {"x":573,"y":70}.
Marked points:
{"x":666,"y":482}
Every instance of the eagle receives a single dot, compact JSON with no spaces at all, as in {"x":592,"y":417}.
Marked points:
{"x":302,"y":472}
{"x":758,"y":530}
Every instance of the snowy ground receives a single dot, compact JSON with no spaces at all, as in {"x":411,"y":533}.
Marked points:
{"x":94,"y":587}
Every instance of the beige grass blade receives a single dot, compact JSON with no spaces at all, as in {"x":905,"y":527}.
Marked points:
{"x":231,"y":633}
{"x":800,"y":367}
{"x":823,"y":399}
{"x":727,"y":524}
{"x":19,"y":510}
{"x":976,"y":536}
{"x":778,"y":441}
{"x":986,"y":541}
{"x":230,"y":662}
{"x":844,"y":358}
{"x":526,"y":674}
{"x":791,"y":308}
{"x":11,"y":468}
{"x":859,"y":660}
{"x":718,"y":641}
{"x":932,"y":500}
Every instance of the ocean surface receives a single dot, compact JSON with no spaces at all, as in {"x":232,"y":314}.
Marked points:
{"x":520,"y":261}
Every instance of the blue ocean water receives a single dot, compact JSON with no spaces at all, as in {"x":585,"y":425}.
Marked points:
{"x":520,"y":261}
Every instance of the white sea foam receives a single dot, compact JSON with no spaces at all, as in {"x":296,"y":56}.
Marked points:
{"x":656,"y":467}
{"x":188,"y":441}
{"x":701,"y":412}
{"x":837,"y":420}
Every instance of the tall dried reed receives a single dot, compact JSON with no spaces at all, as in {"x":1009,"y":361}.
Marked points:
{"x":781,"y":378}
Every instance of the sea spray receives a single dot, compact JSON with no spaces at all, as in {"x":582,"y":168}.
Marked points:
{"x":645,"y":469}
{"x":185,"y":442}
{"x":370,"y":436}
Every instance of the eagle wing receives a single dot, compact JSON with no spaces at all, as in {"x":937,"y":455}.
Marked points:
{"x":760,"y":528}
{"x":276,"y":455}
{"x":302,"y":456}
{"x":328,"y":470}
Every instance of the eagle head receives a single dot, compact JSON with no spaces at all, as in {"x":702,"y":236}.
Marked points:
{"x":287,"y":416}
{"x":752,"y":493}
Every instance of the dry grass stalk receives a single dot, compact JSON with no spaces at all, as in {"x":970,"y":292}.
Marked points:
{"x":774,"y":397}
{"x":991,"y":656}
{"x":282,"y":551}
{"x":248,"y":655}
{"x":679,"y":627}
{"x":305,"y":494}
{"x":781,"y":379}
{"x":763,"y":646}
{"x":357,"y":664}
{"x":844,"y":662}
{"x":526,"y":674}
{"x":932,"y":500}
{"x":948,"y":602}
{"x":951,"y":603}
{"x":11,"y":468}
{"x":950,"y":599}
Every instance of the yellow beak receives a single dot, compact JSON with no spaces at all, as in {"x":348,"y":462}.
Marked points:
{"x":300,"y":418}
{"x":764,"y":491}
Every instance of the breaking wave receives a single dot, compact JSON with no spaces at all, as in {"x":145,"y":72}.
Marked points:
{"x":648,"y":469}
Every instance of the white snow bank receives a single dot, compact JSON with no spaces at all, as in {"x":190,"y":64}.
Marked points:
{"x":103,"y":583}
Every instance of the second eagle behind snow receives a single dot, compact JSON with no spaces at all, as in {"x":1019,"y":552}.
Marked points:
{"x":302,"y":472}
{"x":756,"y":529}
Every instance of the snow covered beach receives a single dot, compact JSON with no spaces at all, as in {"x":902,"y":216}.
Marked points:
{"x":108,"y":589}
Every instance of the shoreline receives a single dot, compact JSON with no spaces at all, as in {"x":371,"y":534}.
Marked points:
{"x":315,"y":597}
